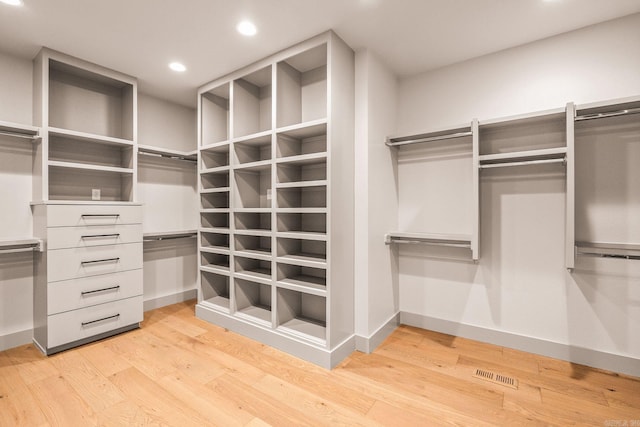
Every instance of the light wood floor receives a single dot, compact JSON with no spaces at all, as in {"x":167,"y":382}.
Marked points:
{"x":177,"y":370}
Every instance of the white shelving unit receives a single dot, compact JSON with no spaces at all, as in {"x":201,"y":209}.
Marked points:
{"x":276,"y":188}
{"x":88,"y":279}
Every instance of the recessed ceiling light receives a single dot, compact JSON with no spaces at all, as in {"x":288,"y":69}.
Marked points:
{"x":176,"y":66}
{"x":12,"y":2}
{"x":247,"y":28}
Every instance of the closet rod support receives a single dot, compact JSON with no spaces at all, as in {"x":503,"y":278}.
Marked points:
{"x":20,"y":135}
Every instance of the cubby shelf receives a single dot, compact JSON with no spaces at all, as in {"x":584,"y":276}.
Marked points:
{"x":88,"y":137}
{"x":215,"y":269}
{"x":269,"y":135}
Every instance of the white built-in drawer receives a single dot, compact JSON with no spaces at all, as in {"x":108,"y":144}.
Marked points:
{"x":64,"y":264}
{"x":74,"y":215}
{"x":78,"y":293}
{"x":86,"y":322}
{"x":92,"y":235}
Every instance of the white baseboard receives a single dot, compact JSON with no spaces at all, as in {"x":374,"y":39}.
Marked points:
{"x":163,"y":301}
{"x":15,"y":339}
{"x":368,"y":344}
{"x":570,"y":353}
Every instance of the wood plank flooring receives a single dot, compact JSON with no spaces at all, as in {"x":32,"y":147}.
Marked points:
{"x":180,"y":371}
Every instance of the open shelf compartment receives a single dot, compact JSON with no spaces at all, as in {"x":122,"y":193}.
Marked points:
{"x":214,"y":241}
{"x":86,"y":101}
{"x":253,"y":301}
{"x":252,"y":97}
{"x":214,"y":220}
{"x":253,"y":187}
{"x":303,"y":252}
{"x":215,"y":117}
{"x":302,"y":87}
{"x":305,"y":223}
{"x":254,"y":268}
{"x":252,"y":150}
{"x":246,"y":221}
{"x":253,"y":246}
{"x":214,"y":291}
{"x":302,"y":141}
{"x":308,"y":279}
{"x":302,"y":315}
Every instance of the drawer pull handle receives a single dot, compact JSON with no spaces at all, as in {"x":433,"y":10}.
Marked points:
{"x":99,"y":236}
{"x":112,"y":288}
{"x":99,"y":215}
{"x":101,"y":260}
{"x":115,"y":316}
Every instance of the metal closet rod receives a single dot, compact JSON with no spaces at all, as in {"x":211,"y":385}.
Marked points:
{"x":608,"y":255}
{"x":27,"y":247}
{"x":522,"y":163}
{"x":168,"y":156}
{"x":428,"y":139}
{"x":19,"y":135}
{"x":171,"y":237}
{"x":608,"y":114}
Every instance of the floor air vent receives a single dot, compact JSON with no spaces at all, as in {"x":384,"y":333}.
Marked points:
{"x":496,"y":378}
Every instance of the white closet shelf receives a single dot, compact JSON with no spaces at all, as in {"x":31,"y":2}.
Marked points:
{"x":216,"y":269}
{"x":305,"y":329}
{"x":452,"y":240}
{"x":27,"y":244}
{"x":215,"y":210}
{"x":304,"y":260}
{"x":215,"y":170}
{"x":452,"y":132}
{"x":19,"y":130}
{"x":168,"y":235}
{"x":302,"y":235}
{"x":258,"y":166}
{"x":89,"y":137}
{"x":518,"y":158}
{"x":258,"y":138}
{"x":612,"y":108}
{"x":215,"y":190}
{"x":90,"y":167}
{"x":254,"y":254}
{"x":305,"y":284}
{"x":301,"y":210}
{"x":252,"y":210}
{"x":302,"y":184}
{"x":262,"y":275}
{"x":219,"y":230}
{"x":256,"y":313}
{"x":220,"y":250}
{"x":253,"y":232}
{"x":304,"y":130}
{"x":217,"y":303}
{"x":544,"y":115}
{"x":86,"y":202}
{"x":216,"y":147}
{"x":303,"y":159}
{"x":167,"y":153}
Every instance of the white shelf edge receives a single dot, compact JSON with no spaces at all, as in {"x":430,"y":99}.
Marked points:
{"x":215,"y":190}
{"x":215,"y":250}
{"x":301,"y":210}
{"x":302,"y":235}
{"x":214,"y":145}
{"x":303,"y":287}
{"x":529,"y":154}
{"x":84,"y":136}
{"x":288,"y":329}
{"x":253,"y":136}
{"x":223,"y":271}
{"x":262,"y":256}
{"x":252,"y":210}
{"x":536,"y":115}
{"x":224,"y":307}
{"x":96,"y":168}
{"x":302,"y":158}
{"x":215,"y":170}
{"x":263,"y":280}
{"x":302,"y":184}
{"x":439,"y":132}
{"x":215,"y":210}
{"x":300,"y":127}
{"x":253,"y":232}
{"x":608,"y":103}
{"x":218,"y":230}
{"x":303,"y":261}
{"x":258,"y":165}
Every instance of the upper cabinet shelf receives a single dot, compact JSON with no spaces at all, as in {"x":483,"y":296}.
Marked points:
{"x":87,"y":137}
{"x":252,"y":103}
{"x":214,"y":115}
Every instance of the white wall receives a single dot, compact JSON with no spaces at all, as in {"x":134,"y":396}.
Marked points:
{"x":376,"y":204}
{"x":168,"y":189}
{"x":520,"y":286}
{"x":16,"y":270}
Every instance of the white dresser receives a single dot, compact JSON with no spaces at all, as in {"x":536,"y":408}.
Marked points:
{"x":88,"y":279}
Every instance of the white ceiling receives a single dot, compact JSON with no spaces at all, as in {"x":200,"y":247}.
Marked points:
{"x":140,"y":37}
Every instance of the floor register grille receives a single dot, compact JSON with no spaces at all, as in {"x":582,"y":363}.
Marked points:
{"x":496,"y":378}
